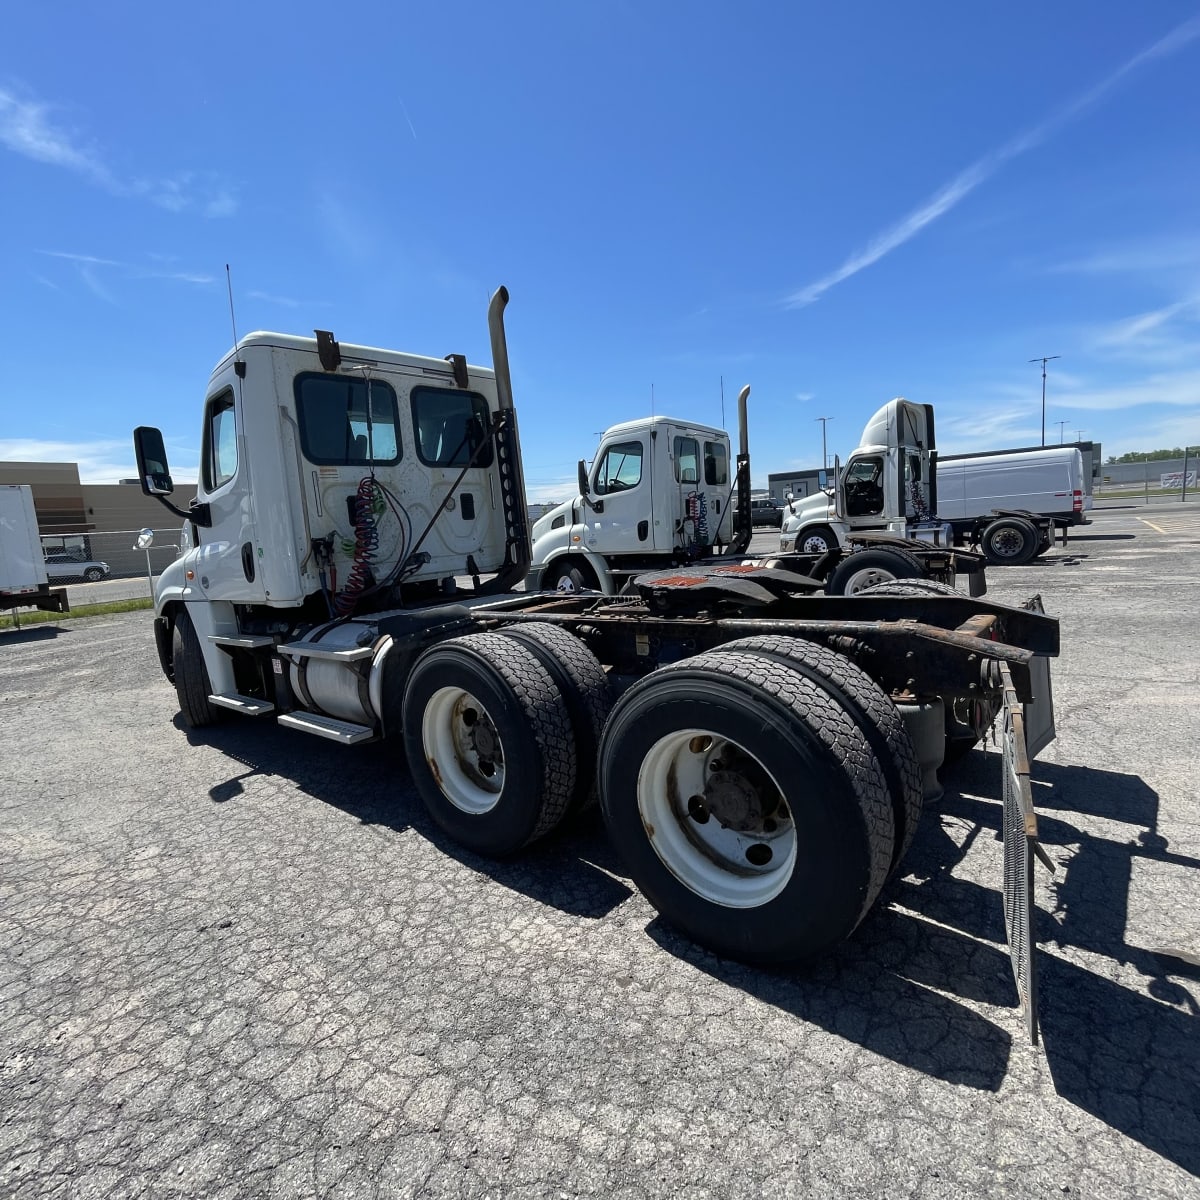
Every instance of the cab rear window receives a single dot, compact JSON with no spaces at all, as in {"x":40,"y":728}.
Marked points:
{"x":346,"y":419}
{"x":450,"y":425}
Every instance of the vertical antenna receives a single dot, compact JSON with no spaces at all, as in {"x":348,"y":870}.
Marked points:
{"x":722,"y":401}
{"x":239,"y":367}
{"x":652,"y":399}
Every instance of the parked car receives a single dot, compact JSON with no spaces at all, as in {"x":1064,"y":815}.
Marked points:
{"x":764,"y":511}
{"x":63,"y":568}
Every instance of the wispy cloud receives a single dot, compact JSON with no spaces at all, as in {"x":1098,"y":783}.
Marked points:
{"x":92,"y":269}
{"x":1156,"y":256}
{"x":28,"y":127}
{"x":99,"y":460}
{"x":952,"y":193}
{"x":268,"y":298}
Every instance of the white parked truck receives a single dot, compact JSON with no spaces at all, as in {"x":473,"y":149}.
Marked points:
{"x":892,"y":484}
{"x":660,"y":493}
{"x":23,"y":579}
{"x":760,"y":752}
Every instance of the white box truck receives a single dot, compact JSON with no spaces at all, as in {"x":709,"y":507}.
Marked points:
{"x":23,"y":582}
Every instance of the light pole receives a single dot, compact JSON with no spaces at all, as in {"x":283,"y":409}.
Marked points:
{"x":1044,"y":360}
{"x":824,"y":455}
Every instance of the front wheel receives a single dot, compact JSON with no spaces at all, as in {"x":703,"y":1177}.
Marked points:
{"x":192,"y":684}
{"x":816,"y":540}
{"x":93,"y":574}
{"x":571,"y":577}
{"x":748,"y":806}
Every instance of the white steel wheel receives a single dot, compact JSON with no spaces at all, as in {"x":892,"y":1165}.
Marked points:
{"x":817,"y":541}
{"x":488,"y":738}
{"x":720,"y":822}
{"x":459,"y":736}
{"x":865,"y":577}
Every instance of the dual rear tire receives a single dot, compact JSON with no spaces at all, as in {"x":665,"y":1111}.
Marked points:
{"x":761,"y":794}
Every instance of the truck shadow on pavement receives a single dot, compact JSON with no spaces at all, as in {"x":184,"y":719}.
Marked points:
{"x":571,"y":870}
{"x":43,"y":631}
{"x":909,"y":985}
{"x":1128,"y":1055}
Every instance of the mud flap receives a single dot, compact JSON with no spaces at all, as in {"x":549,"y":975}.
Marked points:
{"x":1020,"y":848}
{"x":1039,"y":712}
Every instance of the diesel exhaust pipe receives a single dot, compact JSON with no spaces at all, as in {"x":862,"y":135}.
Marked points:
{"x":518,"y":551}
{"x":744,"y":529}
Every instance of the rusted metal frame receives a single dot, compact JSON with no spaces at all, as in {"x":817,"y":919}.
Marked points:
{"x":901,"y":655}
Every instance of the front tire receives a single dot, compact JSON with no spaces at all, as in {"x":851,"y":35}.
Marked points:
{"x":93,"y":574}
{"x":572,"y":577}
{"x":816,"y":540}
{"x":192,"y":684}
{"x":489,"y":744}
{"x":862,"y":569}
{"x":748,"y":805}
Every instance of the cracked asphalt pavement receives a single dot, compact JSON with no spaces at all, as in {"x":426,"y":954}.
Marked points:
{"x":245,"y":962}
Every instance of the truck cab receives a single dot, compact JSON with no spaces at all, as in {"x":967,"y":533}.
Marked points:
{"x":336,"y":480}
{"x":887,"y":486}
{"x":657,"y":490}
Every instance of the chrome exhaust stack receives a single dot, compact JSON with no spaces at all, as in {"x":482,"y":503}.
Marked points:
{"x":744,"y":530}
{"x":518,"y":552}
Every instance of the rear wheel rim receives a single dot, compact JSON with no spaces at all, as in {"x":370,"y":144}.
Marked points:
{"x":463,"y":750}
{"x":867,"y":577}
{"x":1007,"y":543}
{"x":717,"y":818}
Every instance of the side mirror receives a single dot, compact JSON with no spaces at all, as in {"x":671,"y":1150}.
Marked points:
{"x":153,"y":469}
{"x":583,"y":479}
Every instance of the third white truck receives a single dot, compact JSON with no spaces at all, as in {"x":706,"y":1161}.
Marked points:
{"x":1007,"y":505}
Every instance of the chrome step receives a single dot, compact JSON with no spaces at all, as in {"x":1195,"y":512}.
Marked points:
{"x":243,"y":641}
{"x":243,"y":704}
{"x":316,"y":650}
{"x":346,"y":732}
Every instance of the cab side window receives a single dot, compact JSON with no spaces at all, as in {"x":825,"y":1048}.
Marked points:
{"x":687,"y":460}
{"x":716,"y":464}
{"x":619,"y":470}
{"x":219,"y":454}
{"x":864,"y":487}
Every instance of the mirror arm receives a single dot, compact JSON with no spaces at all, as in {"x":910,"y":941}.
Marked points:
{"x":199,"y":513}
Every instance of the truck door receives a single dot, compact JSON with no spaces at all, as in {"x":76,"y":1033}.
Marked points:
{"x":621,"y":481}
{"x":863,"y":487}
{"x":226,"y":563}
{"x":688,"y":511}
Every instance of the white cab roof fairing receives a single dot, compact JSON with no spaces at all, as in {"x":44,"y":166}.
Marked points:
{"x":352,"y":356}
{"x":648,"y":423}
{"x":898,"y":422}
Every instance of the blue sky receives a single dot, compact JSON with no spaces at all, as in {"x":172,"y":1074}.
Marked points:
{"x":836,"y":204}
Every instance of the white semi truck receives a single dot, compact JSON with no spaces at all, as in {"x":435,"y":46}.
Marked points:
{"x":760,"y":752}
{"x":23,"y":579}
{"x":1008,"y":506}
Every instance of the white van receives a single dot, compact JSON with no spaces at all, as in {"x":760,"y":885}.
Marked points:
{"x":1048,"y":482}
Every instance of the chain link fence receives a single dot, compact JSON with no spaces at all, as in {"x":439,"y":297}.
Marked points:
{"x":94,"y":557}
